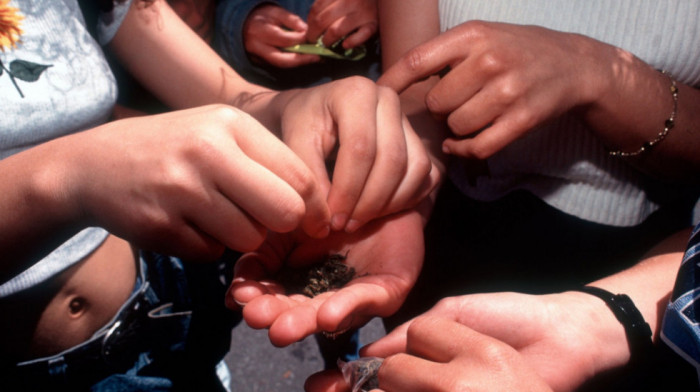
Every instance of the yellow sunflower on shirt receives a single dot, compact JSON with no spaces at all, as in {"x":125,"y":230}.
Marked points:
{"x":9,"y":25}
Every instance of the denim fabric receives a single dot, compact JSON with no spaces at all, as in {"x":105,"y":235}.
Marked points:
{"x":682,"y":317}
{"x":172,"y":334}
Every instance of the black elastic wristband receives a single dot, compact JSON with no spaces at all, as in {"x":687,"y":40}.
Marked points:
{"x":639,"y":335}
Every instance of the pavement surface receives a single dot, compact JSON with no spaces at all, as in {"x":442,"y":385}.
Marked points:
{"x":257,"y":366}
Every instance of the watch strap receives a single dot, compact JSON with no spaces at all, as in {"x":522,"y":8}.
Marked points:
{"x":638,"y":331}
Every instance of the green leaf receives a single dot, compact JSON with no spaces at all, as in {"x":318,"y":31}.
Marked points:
{"x":335,"y":51}
{"x":26,"y":70}
{"x":349,"y":54}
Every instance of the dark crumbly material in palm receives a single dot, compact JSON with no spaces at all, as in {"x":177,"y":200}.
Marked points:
{"x":318,"y":278}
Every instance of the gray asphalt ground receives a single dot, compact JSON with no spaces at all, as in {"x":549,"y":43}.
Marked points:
{"x":257,"y":366}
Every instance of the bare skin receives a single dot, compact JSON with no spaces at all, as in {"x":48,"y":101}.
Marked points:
{"x":86,"y":297}
{"x":91,"y":295}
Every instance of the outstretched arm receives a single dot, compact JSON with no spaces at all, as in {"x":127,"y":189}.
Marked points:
{"x":177,"y":183}
{"x":174,"y":63}
{"x":569,"y":337}
{"x":505,"y":79}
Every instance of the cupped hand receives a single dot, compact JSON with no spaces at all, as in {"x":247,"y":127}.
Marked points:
{"x":380,"y":165}
{"x":444,"y":355}
{"x":503,"y":80}
{"x":386,"y":254}
{"x":269,"y":28}
{"x":335,"y":19}
{"x":192,"y":182}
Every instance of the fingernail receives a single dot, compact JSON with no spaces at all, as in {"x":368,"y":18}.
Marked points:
{"x":323,"y":232}
{"x":342,"y":328}
{"x":352,"y":226}
{"x":346,"y":324}
{"x":230,"y":301}
{"x":338,"y":221}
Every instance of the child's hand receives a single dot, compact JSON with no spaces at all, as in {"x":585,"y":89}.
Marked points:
{"x":380,"y":165}
{"x":269,"y":28}
{"x":386,"y":255}
{"x":335,"y":19}
{"x":216,"y":179}
{"x":441,"y":354}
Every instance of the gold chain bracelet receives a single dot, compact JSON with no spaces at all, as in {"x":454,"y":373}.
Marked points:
{"x":668,"y":125}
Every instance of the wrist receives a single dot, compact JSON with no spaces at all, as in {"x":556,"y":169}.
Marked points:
{"x":605,"y":345}
{"x":263,"y":104}
{"x":65,"y":183}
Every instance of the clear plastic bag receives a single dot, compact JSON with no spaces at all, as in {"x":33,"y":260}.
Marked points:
{"x":361,"y":373}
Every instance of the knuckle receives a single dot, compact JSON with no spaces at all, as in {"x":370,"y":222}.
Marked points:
{"x":475,"y":29}
{"x":509,"y":91}
{"x":358,"y":83}
{"x":420,"y":324}
{"x":362,"y":149}
{"x":414,"y":60}
{"x":445,"y":304}
{"x":490,"y":62}
{"x":226,"y":113}
{"x":176,"y":177}
{"x":524,"y":120}
{"x":334,"y":31}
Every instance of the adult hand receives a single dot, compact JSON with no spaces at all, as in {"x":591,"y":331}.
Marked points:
{"x":503,"y":80}
{"x":386,"y":254}
{"x":191,"y":182}
{"x":444,"y":355}
{"x":335,"y":19}
{"x":566,"y":338}
{"x":381,"y":166}
{"x":269,"y":28}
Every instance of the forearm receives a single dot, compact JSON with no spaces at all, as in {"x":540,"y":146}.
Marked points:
{"x":179,"y":68}
{"x":631,"y":105}
{"x":37,"y":210}
{"x":648,"y":284}
{"x":403,"y":25}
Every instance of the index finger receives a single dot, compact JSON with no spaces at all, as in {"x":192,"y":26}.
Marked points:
{"x":276,"y":157}
{"x":422,"y":340}
{"x":357,"y":148}
{"x":422,"y":61}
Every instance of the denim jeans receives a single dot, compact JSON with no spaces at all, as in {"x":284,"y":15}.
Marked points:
{"x":171,"y":334}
